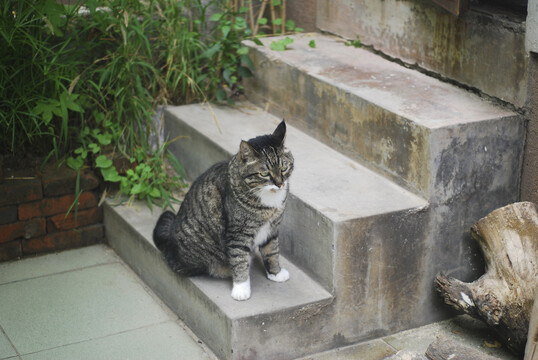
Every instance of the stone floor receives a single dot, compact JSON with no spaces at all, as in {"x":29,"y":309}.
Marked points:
{"x":87,"y":304}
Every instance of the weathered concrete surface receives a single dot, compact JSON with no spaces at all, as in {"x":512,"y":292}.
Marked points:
{"x":457,"y":150}
{"x":303,"y":13}
{"x":484,"y":49}
{"x":276,"y":322}
{"x":358,"y":234}
{"x":382,"y":114}
{"x":529,"y":181}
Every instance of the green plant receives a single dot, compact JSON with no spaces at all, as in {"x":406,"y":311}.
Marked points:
{"x":37,"y":67}
{"x":355,"y":43}
{"x":83,"y":86}
{"x":281,"y":44}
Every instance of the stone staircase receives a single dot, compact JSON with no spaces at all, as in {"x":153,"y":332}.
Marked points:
{"x":392,"y":167}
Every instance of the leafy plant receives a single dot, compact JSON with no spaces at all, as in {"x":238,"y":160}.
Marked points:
{"x":355,"y":43}
{"x":81,"y":83}
{"x":281,"y":44}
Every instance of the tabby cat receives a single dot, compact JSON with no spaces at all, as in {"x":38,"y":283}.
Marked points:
{"x":231,"y":210}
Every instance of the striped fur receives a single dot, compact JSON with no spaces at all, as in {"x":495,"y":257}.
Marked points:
{"x":231,"y":210}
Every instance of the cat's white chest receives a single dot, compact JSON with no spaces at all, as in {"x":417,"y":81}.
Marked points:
{"x":262,"y":235}
{"x":273,"y":196}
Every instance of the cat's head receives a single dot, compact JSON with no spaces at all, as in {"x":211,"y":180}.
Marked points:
{"x":265,"y":163}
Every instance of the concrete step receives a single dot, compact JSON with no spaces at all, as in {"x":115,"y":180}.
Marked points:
{"x":327,"y":188}
{"x":273,"y":323}
{"x":458,"y":151}
{"x":356,"y":233}
{"x":410,"y":127}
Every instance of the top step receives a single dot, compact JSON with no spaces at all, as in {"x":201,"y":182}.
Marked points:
{"x":387,"y":116}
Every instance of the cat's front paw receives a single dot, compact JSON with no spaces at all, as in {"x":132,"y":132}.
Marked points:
{"x":241,"y":291}
{"x":282,"y":276}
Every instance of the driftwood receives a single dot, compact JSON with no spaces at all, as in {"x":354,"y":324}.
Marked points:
{"x":446,"y":349}
{"x":531,"y":350}
{"x":503,"y":297}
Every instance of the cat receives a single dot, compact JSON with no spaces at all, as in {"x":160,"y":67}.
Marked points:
{"x":232,"y":209}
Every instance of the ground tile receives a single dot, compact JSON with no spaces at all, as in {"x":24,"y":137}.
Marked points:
{"x":6,"y":350}
{"x":75,"y":306}
{"x":161,"y":341}
{"x":55,"y":263}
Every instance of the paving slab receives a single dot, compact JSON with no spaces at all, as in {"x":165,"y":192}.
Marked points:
{"x":165,"y":341}
{"x":86,"y":304}
{"x":55,"y":263}
{"x":6,"y":350}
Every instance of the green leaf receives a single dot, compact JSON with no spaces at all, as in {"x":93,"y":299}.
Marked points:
{"x":103,"y":162}
{"x":244,"y":71}
{"x":276,"y":2}
{"x":262,"y":21}
{"x":104,"y":139}
{"x":155,"y":193}
{"x":75,"y":163}
{"x":136,"y":189}
{"x":277,"y":21}
{"x":280,"y":45}
{"x":215,"y":17}
{"x":226,"y":75}
{"x":243,"y":50}
{"x":312,"y":43}
{"x":290,"y":25}
{"x":246,"y":61}
{"x":220,"y":94}
{"x":94,"y":148}
{"x":211,"y":51}
{"x":257,"y":41}
{"x":226,"y":30}
{"x":110,"y":174}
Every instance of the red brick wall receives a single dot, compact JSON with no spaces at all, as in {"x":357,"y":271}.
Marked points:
{"x":33,"y":211}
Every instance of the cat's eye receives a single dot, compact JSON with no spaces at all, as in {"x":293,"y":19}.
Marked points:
{"x":264,"y":174}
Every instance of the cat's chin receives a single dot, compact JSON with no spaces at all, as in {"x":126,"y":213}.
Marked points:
{"x":273,"y":196}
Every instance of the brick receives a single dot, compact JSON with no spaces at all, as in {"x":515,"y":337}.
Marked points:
{"x":56,"y":205}
{"x":84,"y":218}
{"x":10,"y":250}
{"x":20,"y":191}
{"x":62,"y":180}
{"x":25,"y":229}
{"x":63,"y":240}
{"x":8,"y":214}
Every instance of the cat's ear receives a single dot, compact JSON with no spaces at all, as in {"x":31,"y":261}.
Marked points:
{"x":280,"y":133}
{"x":246,"y":151}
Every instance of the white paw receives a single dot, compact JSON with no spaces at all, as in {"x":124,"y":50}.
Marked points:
{"x":282,"y":276}
{"x":241,"y":291}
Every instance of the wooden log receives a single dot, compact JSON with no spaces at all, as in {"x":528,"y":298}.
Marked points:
{"x":503,"y":297}
{"x":445,"y":349}
{"x":531,"y":350}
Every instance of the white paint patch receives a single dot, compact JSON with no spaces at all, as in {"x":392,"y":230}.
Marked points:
{"x":241,"y":291}
{"x":262,"y":235}
{"x":282,"y":276}
{"x":466,"y":299}
{"x":273,"y":196}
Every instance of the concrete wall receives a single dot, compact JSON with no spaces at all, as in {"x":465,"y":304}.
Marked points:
{"x":482,"y":49}
{"x":529,"y":181}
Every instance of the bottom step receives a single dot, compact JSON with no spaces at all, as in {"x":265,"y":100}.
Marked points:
{"x":272,"y":324}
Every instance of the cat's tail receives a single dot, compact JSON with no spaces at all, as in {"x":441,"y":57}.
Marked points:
{"x":163,"y":239}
